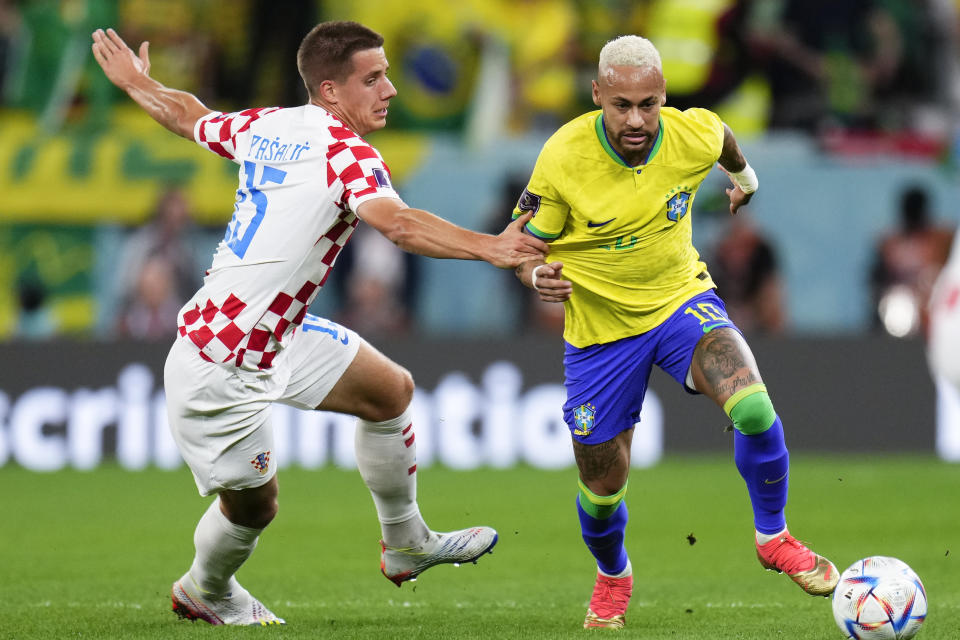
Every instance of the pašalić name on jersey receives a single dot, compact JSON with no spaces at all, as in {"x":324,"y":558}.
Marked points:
{"x":266,"y":149}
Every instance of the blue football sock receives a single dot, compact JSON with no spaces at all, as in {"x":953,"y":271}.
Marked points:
{"x":604,"y":538}
{"x":764,"y":463}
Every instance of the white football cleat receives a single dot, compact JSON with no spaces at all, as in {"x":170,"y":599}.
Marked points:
{"x":466,"y":545}
{"x":237,"y":607}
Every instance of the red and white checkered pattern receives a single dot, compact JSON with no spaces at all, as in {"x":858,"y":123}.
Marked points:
{"x":249,"y":306}
{"x":218,"y":132}
{"x":352,"y":161}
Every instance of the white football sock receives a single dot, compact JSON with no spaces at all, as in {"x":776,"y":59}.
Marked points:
{"x":221,"y":548}
{"x":387,"y":460}
{"x":764,"y":538}
{"x":627,"y":571}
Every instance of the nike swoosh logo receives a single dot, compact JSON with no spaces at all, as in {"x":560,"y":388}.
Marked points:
{"x":600,"y":224}
{"x":711,"y":327}
{"x":780,"y":479}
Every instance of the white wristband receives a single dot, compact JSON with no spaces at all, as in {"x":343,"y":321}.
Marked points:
{"x":746,"y":179}
{"x":533,"y":276}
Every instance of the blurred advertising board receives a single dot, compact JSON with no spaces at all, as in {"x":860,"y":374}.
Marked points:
{"x":479,"y":403}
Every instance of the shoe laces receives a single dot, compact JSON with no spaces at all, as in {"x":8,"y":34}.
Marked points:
{"x":791,"y":555}
{"x":610,"y":596}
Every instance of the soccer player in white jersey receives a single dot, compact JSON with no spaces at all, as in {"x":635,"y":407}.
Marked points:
{"x":245,"y":339}
{"x":943,"y":349}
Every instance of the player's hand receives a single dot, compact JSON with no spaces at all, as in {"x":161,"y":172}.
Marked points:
{"x":514,"y":246}
{"x":120,"y":64}
{"x":546,"y":279}
{"x":738,"y":198}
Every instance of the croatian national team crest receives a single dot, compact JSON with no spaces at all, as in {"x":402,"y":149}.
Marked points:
{"x":584,"y":416}
{"x":678,"y":205}
{"x":261,"y":462}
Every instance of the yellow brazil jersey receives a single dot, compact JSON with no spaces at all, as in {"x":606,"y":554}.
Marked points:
{"x":623,"y":233}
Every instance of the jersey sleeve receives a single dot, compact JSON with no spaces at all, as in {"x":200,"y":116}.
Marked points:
{"x":708,"y":128}
{"x":226,"y":133}
{"x":544,"y":200}
{"x":361,"y":170}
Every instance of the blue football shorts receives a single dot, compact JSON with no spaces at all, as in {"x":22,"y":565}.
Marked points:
{"x":606,"y":383}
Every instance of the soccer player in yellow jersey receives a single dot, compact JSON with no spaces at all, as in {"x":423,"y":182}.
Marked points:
{"x":611,"y":193}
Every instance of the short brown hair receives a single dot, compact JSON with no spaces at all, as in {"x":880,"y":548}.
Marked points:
{"x":325,"y":53}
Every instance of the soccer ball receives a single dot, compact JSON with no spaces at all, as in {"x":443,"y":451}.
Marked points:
{"x":879,"y":598}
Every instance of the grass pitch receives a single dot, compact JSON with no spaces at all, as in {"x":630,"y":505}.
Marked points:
{"x":92,"y":555}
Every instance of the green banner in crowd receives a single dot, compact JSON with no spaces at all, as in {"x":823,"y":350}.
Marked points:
{"x":114,"y":175}
{"x":46,"y":275}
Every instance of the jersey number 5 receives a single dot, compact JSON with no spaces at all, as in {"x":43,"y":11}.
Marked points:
{"x":237,"y":237}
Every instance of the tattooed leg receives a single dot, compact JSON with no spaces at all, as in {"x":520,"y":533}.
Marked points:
{"x":604,"y":467}
{"x":723,"y":364}
{"x":600,"y":506}
{"x":725,"y":370}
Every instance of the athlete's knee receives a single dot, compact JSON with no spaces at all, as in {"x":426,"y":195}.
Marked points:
{"x":405,"y":390}
{"x":254,"y":508}
{"x":265,"y":514}
{"x":394,"y":397}
{"x":260,"y":514}
{"x":604,"y":467}
{"x":607,"y":484}
{"x":751,"y":410}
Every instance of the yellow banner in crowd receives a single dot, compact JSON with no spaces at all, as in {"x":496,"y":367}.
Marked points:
{"x":117,"y":174}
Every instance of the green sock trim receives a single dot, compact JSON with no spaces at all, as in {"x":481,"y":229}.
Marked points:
{"x":600,"y":507}
{"x":753,"y":413}
{"x":740,"y":395}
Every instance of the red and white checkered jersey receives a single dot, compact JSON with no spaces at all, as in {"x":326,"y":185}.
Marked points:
{"x":303,"y":174}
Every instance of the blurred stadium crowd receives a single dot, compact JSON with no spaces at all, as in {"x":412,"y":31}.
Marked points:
{"x":861,"y":77}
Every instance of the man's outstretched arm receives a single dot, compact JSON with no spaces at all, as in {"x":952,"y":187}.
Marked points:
{"x":176,"y":110}
{"x":421,"y":232}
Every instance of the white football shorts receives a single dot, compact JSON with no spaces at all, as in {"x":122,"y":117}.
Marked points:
{"x":943,"y":344}
{"x":220,"y":416}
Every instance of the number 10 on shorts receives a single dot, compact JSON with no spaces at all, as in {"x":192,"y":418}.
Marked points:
{"x":707,"y":312}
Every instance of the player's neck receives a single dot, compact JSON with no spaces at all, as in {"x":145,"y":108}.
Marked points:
{"x":337,"y":113}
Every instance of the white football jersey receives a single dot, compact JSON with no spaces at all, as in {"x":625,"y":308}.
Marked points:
{"x":303,"y":174}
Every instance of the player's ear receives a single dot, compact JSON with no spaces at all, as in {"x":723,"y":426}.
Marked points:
{"x":596,"y":93}
{"x":327,"y":91}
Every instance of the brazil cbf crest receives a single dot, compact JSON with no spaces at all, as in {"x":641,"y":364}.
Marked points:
{"x":584,"y":417}
{"x":678,"y":202}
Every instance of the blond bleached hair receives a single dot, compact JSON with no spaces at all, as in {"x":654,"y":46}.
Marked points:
{"x":629,"y":51}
